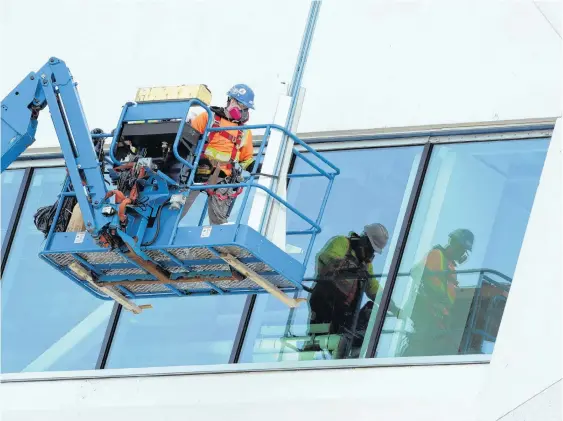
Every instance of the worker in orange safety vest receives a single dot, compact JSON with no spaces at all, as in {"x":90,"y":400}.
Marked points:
{"x":436,"y":297}
{"x":228,"y":152}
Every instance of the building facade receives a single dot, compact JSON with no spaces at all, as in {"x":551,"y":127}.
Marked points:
{"x":440,"y":115}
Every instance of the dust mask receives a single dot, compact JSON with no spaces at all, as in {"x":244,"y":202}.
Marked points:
{"x":463,"y":258}
{"x":235,"y":112}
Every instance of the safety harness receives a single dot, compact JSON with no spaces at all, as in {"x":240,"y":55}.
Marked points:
{"x":237,"y":143}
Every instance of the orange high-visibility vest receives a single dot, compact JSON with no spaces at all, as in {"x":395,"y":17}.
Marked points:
{"x":221,"y":148}
{"x":437,"y":277}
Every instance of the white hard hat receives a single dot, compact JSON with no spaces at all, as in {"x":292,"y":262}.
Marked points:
{"x":378,"y":236}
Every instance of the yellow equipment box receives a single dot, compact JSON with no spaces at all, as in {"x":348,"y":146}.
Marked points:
{"x":168,"y":93}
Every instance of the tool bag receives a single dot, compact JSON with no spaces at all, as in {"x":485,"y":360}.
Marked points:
{"x":43,"y":218}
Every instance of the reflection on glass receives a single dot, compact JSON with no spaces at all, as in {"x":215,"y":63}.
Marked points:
{"x":177,"y":331}
{"x":462,"y":248}
{"x":48,"y":322}
{"x":373,"y":188}
{"x":11,"y":182}
{"x":344,"y":273}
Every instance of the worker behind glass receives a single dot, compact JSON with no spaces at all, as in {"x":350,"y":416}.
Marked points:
{"x":344,"y":272}
{"x":433,"y":331}
{"x":226,"y":154}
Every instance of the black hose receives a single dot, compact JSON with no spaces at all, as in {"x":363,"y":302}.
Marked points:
{"x":44,"y":217}
{"x":151,"y":242}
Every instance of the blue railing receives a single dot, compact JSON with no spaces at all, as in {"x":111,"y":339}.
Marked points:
{"x":180,"y":110}
{"x":330,"y":173}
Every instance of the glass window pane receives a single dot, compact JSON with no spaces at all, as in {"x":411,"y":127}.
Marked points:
{"x":177,"y":331}
{"x":373,"y":187}
{"x":463,"y":247}
{"x":48,"y":322}
{"x":11,"y":182}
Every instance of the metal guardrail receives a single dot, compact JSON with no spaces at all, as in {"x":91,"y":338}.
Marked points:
{"x":250,"y":182}
{"x":471,"y":329}
{"x":483,"y":271}
{"x":180,"y":111}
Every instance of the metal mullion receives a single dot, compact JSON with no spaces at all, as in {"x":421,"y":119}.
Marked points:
{"x":399,"y":250}
{"x":375,"y":144}
{"x":14,"y":220}
{"x":242,"y":329}
{"x":108,"y":337}
{"x":438,"y":131}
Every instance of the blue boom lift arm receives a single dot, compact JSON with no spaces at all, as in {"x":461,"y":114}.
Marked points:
{"x":53,"y":86}
{"x":135,"y":246}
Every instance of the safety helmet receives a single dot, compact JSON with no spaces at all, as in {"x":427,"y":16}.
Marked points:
{"x":377,"y":235}
{"x":463,"y":237}
{"x":243,"y":94}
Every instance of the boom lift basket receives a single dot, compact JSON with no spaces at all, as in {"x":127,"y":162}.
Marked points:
{"x":133,"y":245}
{"x":196,"y":260}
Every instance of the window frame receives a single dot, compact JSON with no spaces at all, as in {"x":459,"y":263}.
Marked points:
{"x":247,"y":368}
{"x":14,"y":219}
{"x":324,"y":143}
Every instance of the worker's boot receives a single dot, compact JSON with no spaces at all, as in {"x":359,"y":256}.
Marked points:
{"x":343,"y":346}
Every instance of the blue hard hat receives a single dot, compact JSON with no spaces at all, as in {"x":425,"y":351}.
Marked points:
{"x":243,"y":94}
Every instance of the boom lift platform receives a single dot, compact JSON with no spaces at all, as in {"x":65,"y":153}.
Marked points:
{"x":133,"y":246}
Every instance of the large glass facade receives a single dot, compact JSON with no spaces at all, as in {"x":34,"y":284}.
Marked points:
{"x":48,"y":322}
{"x":373,"y":187}
{"x":455,"y":270}
{"x":177,"y":331}
{"x":462,"y":248}
{"x":180,"y":331}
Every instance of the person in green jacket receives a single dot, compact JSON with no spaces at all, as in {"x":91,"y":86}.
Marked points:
{"x":343,"y":266}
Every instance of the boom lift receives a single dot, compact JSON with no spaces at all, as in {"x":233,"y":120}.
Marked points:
{"x":133,"y":246}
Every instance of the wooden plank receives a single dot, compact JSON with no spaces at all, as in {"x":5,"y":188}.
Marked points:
{"x":147,"y":265}
{"x":76,"y":223}
{"x":82,"y":273}
{"x":261,"y":281}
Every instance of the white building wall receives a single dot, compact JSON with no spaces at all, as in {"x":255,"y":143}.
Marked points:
{"x":114,"y":47}
{"x":373,"y":65}
{"x":545,"y":406}
{"x":527,"y":354}
{"x":400,"y":394}
{"x":551,"y":10}
{"x":380,"y":64}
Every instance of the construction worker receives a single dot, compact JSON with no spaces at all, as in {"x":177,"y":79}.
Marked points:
{"x":343,"y":270}
{"x":226,"y":153}
{"x":436,"y":296}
